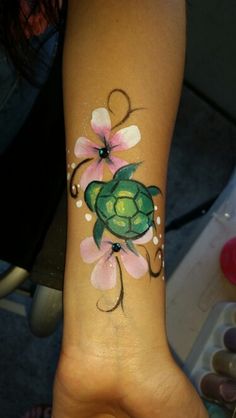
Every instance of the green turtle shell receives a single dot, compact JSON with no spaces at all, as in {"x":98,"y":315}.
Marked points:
{"x":125,"y":207}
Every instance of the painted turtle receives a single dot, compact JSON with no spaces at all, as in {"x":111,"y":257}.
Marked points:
{"x":123,"y":206}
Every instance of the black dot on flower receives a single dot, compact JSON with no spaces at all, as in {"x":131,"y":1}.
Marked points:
{"x":116,"y":247}
{"x":103,"y":152}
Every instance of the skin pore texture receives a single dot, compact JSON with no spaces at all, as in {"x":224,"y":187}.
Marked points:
{"x":123,"y":69}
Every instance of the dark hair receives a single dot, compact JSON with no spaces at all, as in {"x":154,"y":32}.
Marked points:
{"x":16,"y":30}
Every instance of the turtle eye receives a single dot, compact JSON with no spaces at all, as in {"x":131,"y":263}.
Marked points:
{"x":103,"y":152}
{"x":116,"y":247}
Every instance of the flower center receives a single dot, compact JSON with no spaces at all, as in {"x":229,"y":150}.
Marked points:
{"x":103,"y":152}
{"x":116,"y":247}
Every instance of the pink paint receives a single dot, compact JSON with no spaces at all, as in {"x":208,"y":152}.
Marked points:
{"x":228,"y":260}
{"x":115,"y":163}
{"x":125,"y":138}
{"x":92,"y":173}
{"x":104,"y":274}
{"x":122,"y":140}
{"x":85,"y":148}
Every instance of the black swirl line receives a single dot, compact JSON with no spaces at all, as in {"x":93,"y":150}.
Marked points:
{"x":153,"y":273}
{"x":73,"y":188}
{"x":120,"y":299}
{"x":129,"y":110}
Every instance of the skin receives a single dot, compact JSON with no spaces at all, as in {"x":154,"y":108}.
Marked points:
{"x":118,"y":364}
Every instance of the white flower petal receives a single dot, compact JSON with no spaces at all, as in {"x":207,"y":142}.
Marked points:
{"x":101,"y":122}
{"x":125,"y":138}
{"x":103,"y":276}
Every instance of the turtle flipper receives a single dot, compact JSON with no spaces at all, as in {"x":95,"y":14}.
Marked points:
{"x":154,"y":190}
{"x":131,"y":246}
{"x":98,"y":231}
{"x":125,"y":173}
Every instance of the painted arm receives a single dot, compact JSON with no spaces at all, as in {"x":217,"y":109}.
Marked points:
{"x":123,"y":69}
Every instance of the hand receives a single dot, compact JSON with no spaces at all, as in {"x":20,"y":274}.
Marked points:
{"x":148,"y":385}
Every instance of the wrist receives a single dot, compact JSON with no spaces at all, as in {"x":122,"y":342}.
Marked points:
{"x":139,"y":327}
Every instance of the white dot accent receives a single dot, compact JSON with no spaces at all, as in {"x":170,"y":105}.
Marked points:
{"x":160,"y":235}
{"x":155,"y":240}
{"x":79,"y":203}
{"x":155,"y":207}
{"x":68,"y":176}
{"x":88,"y":217}
{"x":159,"y":256}
{"x":78,"y":185}
{"x":73,"y":165}
{"x":163,"y":246}
{"x":158,"y":220}
{"x":163,"y":278}
{"x":163,"y":264}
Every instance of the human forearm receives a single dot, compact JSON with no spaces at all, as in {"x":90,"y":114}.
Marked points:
{"x":141,"y":51}
{"x":123,"y":62}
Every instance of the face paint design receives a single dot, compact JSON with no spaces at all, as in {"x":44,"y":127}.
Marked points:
{"x":104,"y":273}
{"x":122,"y":206}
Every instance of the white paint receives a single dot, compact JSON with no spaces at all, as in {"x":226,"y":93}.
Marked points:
{"x":155,"y":240}
{"x":163,"y":278}
{"x":73,"y":165}
{"x":155,"y":207}
{"x":129,"y":136}
{"x":78,"y":185}
{"x":68,"y":176}
{"x":160,"y":236}
{"x":158,"y":220}
{"x":159,"y":256}
{"x":100,"y":118}
{"x":79,"y":203}
{"x":163,"y":246}
{"x":88,"y":217}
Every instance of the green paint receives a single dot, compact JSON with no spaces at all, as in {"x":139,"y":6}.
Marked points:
{"x":144,"y":203}
{"x":123,"y":206}
{"x":139,"y":223}
{"x":107,"y":207}
{"x":91,"y":193}
{"x":98,"y":231}
{"x":154,"y":190}
{"x":126,"y":172}
{"x":126,"y":188}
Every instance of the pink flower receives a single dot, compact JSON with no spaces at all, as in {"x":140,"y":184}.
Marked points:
{"x":104,"y":273}
{"x":121,"y":140}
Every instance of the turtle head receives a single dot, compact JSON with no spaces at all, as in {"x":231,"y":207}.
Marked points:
{"x":91,"y":193}
{"x":154,"y":190}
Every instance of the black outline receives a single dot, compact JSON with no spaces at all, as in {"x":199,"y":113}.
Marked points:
{"x":152,"y":273}
{"x":148,"y":194}
{"x":86,"y":192}
{"x":98,"y":224}
{"x":136,"y":165}
{"x":75,"y":195}
{"x":129,"y":111}
{"x":156,"y":187}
